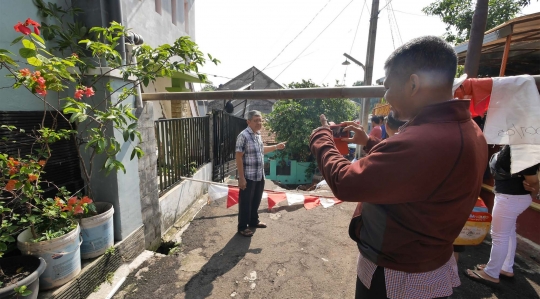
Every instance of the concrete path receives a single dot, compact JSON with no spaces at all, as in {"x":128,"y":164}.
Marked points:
{"x":302,"y":254}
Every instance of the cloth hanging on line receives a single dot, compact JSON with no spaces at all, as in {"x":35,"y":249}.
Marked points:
{"x":479,"y":91}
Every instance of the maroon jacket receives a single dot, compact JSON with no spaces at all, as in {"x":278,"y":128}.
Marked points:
{"x":417,"y":187}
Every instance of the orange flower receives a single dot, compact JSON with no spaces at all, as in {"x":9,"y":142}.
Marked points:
{"x":11,"y":185}
{"x":41,"y":92}
{"x":13,"y":170}
{"x":58,"y":202}
{"x":12,"y":162}
{"x":24,"y":72}
{"x":79,"y":94}
{"x":72,"y":201}
{"x":32,"y":177}
{"x":20,"y":27}
{"x":78,"y":209}
{"x":86,"y":199}
{"x":88,"y":92}
{"x":42,"y":163}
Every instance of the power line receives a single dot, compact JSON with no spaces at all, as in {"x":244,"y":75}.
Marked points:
{"x":297,"y":35}
{"x":385,"y":5}
{"x":291,"y":60}
{"x":314,"y":39}
{"x":391,"y":30}
{"x":352,"y":45}
{"x":413,"y":14}
{"x":357,"y":26}
{"x":396,"y":23}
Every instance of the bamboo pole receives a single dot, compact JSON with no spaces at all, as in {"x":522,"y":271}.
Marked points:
{"x":277,"y":94}
{"x":505,"y":55}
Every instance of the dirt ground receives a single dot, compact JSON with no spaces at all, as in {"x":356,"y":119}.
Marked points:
{"x":302,"y":254}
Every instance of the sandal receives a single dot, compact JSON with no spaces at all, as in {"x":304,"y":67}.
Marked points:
{"x":503,"y":274}
{"x":261,"y":225}
{"x":475,"y":276}
{"x":246,"y":232}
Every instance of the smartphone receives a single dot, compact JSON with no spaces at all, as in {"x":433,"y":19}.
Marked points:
{"x":337,"y":132}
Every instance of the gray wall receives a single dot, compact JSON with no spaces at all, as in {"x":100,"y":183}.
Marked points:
{"x":19,"y":99}
{"x":151,"y":215}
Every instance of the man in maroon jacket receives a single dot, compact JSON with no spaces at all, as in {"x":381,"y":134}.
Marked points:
{"x":432,"y":172}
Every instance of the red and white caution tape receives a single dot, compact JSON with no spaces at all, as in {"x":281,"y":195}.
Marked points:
{"x":218,"y":191}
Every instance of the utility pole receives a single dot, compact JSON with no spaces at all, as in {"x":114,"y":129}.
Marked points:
{"x":474,"y":49}
{"x":370,"y":56}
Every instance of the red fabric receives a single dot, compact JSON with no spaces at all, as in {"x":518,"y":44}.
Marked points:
{"x":232,"y":196}
{"x":407,"y":228}
{"x":311,"y":202}
{"x":376,"y":132}
{"x":479,"y":91}
{"x":275,"y":198}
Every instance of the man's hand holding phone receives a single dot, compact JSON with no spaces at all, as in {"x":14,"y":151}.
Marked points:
{"x":360,"y":136}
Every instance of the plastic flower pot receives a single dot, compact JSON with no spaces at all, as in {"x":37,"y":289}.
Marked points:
{"x":97,"y":231}
{"x":35,"y":265}
{"x":62,"y":255}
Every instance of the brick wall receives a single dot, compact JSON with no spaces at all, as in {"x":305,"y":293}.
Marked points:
{"x":148,"y":178}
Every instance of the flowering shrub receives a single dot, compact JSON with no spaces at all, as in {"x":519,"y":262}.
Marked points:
{"x":21,"y":202}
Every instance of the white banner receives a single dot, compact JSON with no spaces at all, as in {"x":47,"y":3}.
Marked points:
{"x":524,"y":156}
{"x":514,"y":112}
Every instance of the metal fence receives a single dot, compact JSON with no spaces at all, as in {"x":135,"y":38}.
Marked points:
{"x":183,"y":147}
{"x":226,"y":128}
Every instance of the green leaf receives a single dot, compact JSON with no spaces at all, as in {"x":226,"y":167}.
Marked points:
{"x":27,"y":53}
{"x":37,"y":38}
{"x":18,"y":39}
{"x":34,"y":61}
{"x":26,"y":293}
{"x":28,"y":44}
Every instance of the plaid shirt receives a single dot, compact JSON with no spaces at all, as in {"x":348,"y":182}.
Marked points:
{"x":251,"y":145}
{"x":403,"y":285}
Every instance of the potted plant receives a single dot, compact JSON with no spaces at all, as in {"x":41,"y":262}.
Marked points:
{"x":43,"y":219}
{"x":19,"y":276}
{"x":43,"y":227}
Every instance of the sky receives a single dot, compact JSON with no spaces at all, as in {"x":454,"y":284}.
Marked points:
{"x":270,"y":34}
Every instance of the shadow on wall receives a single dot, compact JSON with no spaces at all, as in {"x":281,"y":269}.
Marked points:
{"x":200,"y":285}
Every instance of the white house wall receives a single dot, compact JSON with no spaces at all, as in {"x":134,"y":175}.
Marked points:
{"x":141,"y":17}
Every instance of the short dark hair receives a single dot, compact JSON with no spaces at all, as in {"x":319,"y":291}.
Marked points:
{"x":426,"y":53}
{"x":393,"y":123}
{"x":376,"y":119}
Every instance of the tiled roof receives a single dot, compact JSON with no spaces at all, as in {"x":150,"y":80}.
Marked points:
{"x":267,"y":136}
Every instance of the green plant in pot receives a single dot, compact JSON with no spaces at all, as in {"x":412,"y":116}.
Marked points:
{"x":25,"y":212}
{"x":49,"y":74}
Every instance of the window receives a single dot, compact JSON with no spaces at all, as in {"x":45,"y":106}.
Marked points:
{"x":186,"y":16}
{"x":158,"y":6}
{"x":173,"y":11}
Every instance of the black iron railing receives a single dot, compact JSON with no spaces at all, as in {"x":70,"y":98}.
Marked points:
{"x":226,"y":128}
{"x":183,"y":147}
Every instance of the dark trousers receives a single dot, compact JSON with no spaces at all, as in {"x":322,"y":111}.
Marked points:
{"x":377,"y":289}
{"x":249,"y":202}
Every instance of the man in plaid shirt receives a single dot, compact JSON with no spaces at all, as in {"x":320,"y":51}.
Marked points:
{"x":250,"y":163}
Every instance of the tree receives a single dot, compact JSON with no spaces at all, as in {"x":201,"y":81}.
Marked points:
{"x":458,"y":14}
{"x":293,"y":120}
{"x":209,"y":87}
